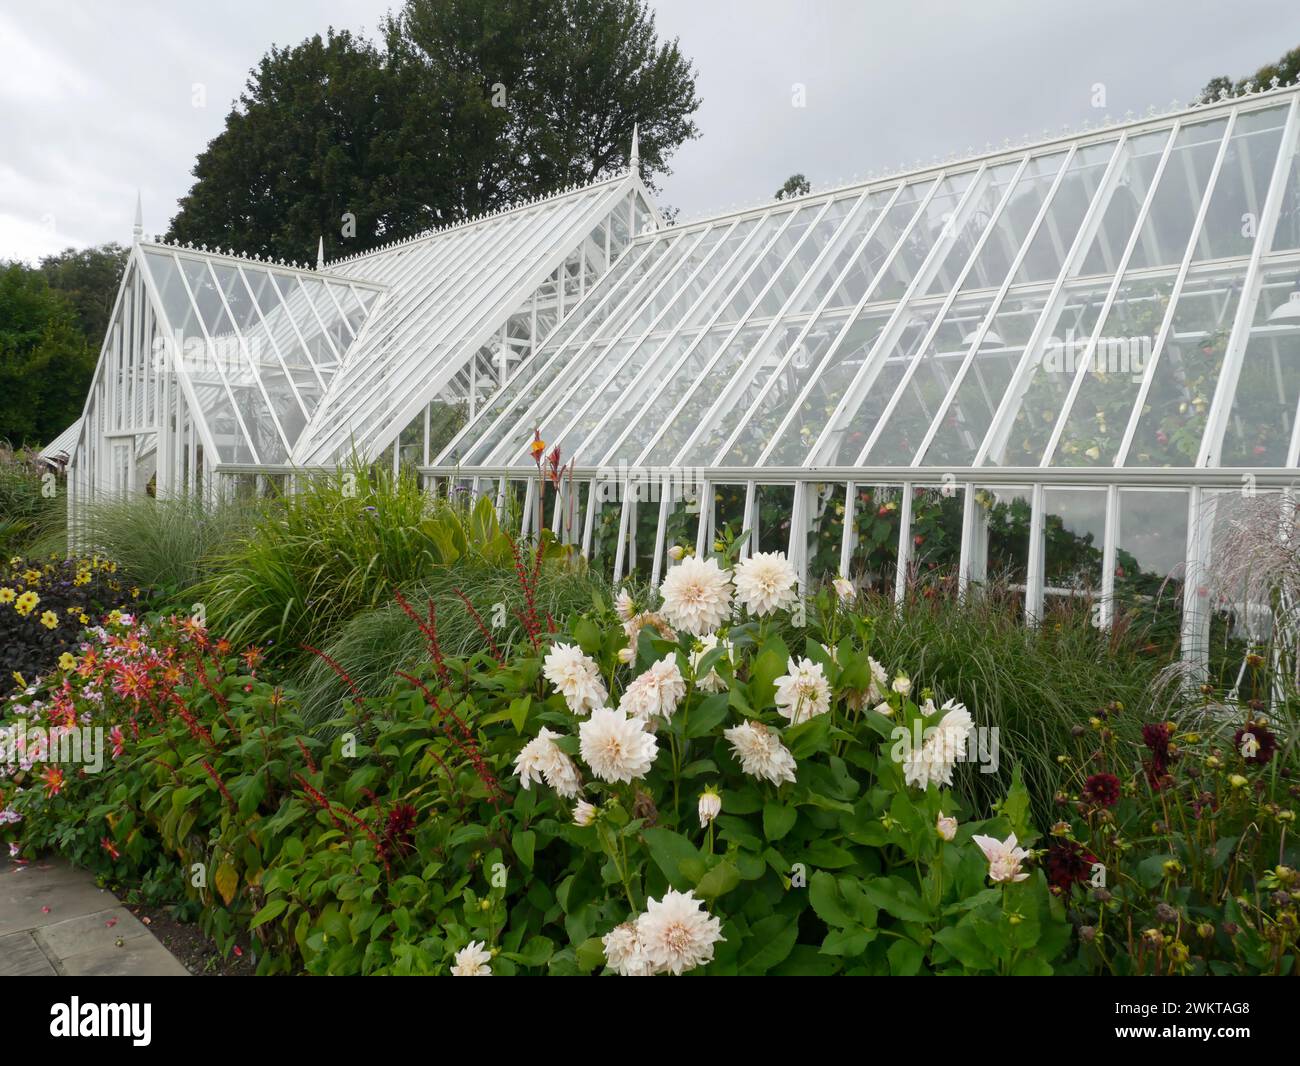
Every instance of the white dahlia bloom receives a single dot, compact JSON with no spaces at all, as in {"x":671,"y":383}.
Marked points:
{"x":844,"y":589}
{"x":575,"y":677}
{"x":656,"y":693}
{"x":541,"y":759}
{"x":624,"y":952}
{"x":879,"y":680}
{"x":765,"y":582}
{"x":944,"y":744}
{"x":697,"y":596}
{"x":676,"y":933}
{"x":616,"y":747}
{"x":902,"y":684}
{"x":1003,"y":856}
{"x":713,"y":682}
{"x":761,"y":752}
{"x":710,"y":806}
{"x":472,"y":961}
{"x":804,"y":692}
{"x":623,"y":605}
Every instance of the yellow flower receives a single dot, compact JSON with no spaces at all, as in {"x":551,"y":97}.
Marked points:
{"x":115,"y":616}
{"x":22,"y":681}
{"x":31,"y":576}
{"x":83,"y":619}
{"x":7,"y":595}
{"x":26,"y":603}
{"x":50,"y":620}
{"x":67,"y":661}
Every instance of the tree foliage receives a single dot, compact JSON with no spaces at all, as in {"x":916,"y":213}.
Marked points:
{"x":45,"y":360}
{"x":795,"y":185}
{"x":461,"y":107}
{"x":1286,"y":69}
{"x":89,"y":278}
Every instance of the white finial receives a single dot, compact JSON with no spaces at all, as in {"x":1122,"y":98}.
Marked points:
{"x":320,"y":254}
{"x":634,"y":159}
{"x":137,"y":230}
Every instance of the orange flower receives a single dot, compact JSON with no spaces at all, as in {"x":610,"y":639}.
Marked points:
{"x":53,"y":778}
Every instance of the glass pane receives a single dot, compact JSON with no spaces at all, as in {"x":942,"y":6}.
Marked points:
{"x":935,"y":535}
{"x":1074,"y":533}
{"x":1137,"y":170}
{"x":1186,"y":373}
{"x":775,"y":505}
{"x":1262,"y":419}
{"x":1232,"y":219}
{"x":1150,"y":563}
{"x":877,"y":514}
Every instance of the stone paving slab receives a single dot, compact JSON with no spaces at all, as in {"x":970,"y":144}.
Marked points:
{"x":55,"y":920}
{"x":21,"y":956}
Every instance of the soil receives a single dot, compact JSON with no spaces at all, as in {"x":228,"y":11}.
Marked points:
{"x":186,"y":941}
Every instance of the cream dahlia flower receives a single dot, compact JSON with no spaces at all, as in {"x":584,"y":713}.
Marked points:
{"x":656,"y":693}
{"x":944,"y":744}
{"x":676,"y":934}
{"x":472,"y":961}
{"x":902,"y":684}
{"x":765,"y":582}
{"x":623,"y":605}
{"x":879,"y":680}
{"x":575,"y":677}
{"x":624,"y":952}
{"x":804,"y":692}
{"x":697,"y":596}
{"x":710,"y":806}
{"x":616,"y":747}
{"x":761,"y":752}
{"x":1003,"y":856}
{"x":541,"y":759}
{"x":713,"y":681}
{"x":844,"y":589}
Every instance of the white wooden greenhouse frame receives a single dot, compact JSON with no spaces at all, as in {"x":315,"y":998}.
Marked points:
{"x":1101,"y":328}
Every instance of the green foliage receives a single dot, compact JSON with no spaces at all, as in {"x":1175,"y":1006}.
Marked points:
{"x":29,"y":513}
{"x":378,"y":642}
{"x":89,"y":279}
{"x":339,"y":545}
{"x":461,"y":108}
{"x":45,"y":361}
{"x":1286,"y":70}
{"x":1035,"y":685}
{"x":167,"y":546}
{"x":795,"y":185}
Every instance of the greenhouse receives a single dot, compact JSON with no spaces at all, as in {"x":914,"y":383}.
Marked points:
{"x":1061,"y":365}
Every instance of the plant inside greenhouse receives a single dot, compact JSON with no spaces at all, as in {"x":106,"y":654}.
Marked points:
{"x":896,"y":577}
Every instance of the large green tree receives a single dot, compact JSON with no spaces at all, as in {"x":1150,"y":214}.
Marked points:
{"x":89,"y":278}
{"x":45,"y":361}
{"x":463,"y":106}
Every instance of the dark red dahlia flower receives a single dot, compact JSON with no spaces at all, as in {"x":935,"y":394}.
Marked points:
{"x":1102,"y":790}
{"x":1068,"y":864}
{"x":1261,"y":745}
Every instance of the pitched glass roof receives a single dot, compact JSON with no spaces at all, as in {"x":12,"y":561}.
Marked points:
{"x":1104,"y":300}
{"x":447,"y":294}
{"x":254,"y":346}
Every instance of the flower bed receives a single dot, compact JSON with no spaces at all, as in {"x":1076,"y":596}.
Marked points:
{"x":658,"y":787}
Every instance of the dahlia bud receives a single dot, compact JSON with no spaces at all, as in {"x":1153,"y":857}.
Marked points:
{"x":1061,"y":829}
{"x":1205,"y":930}
{"x":843,"y":589}
{"x":710,"y":806}
{"x":1284,"y":874}
{"x":626,"y":655}
{"x":1087,"y":933}
{"x":1237,"y":781}
{"x":1154,"y":936}
{"x":676,"y":553}
{"x":584,"y":813}
{"x":1101,"y":895}
{"x":1172,"y":867}
{"x":946,"y":826}
{"x":1231,"y":929}
{"x":1281,"y":897}
{"x":1077,"y":731}
{"x":1166,"y":914}
{"x":1178,"y":953}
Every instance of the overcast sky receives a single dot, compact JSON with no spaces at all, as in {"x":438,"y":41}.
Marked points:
{"x":99,"y":99}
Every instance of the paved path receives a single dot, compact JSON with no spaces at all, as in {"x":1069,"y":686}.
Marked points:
{"x":56,"y":922}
